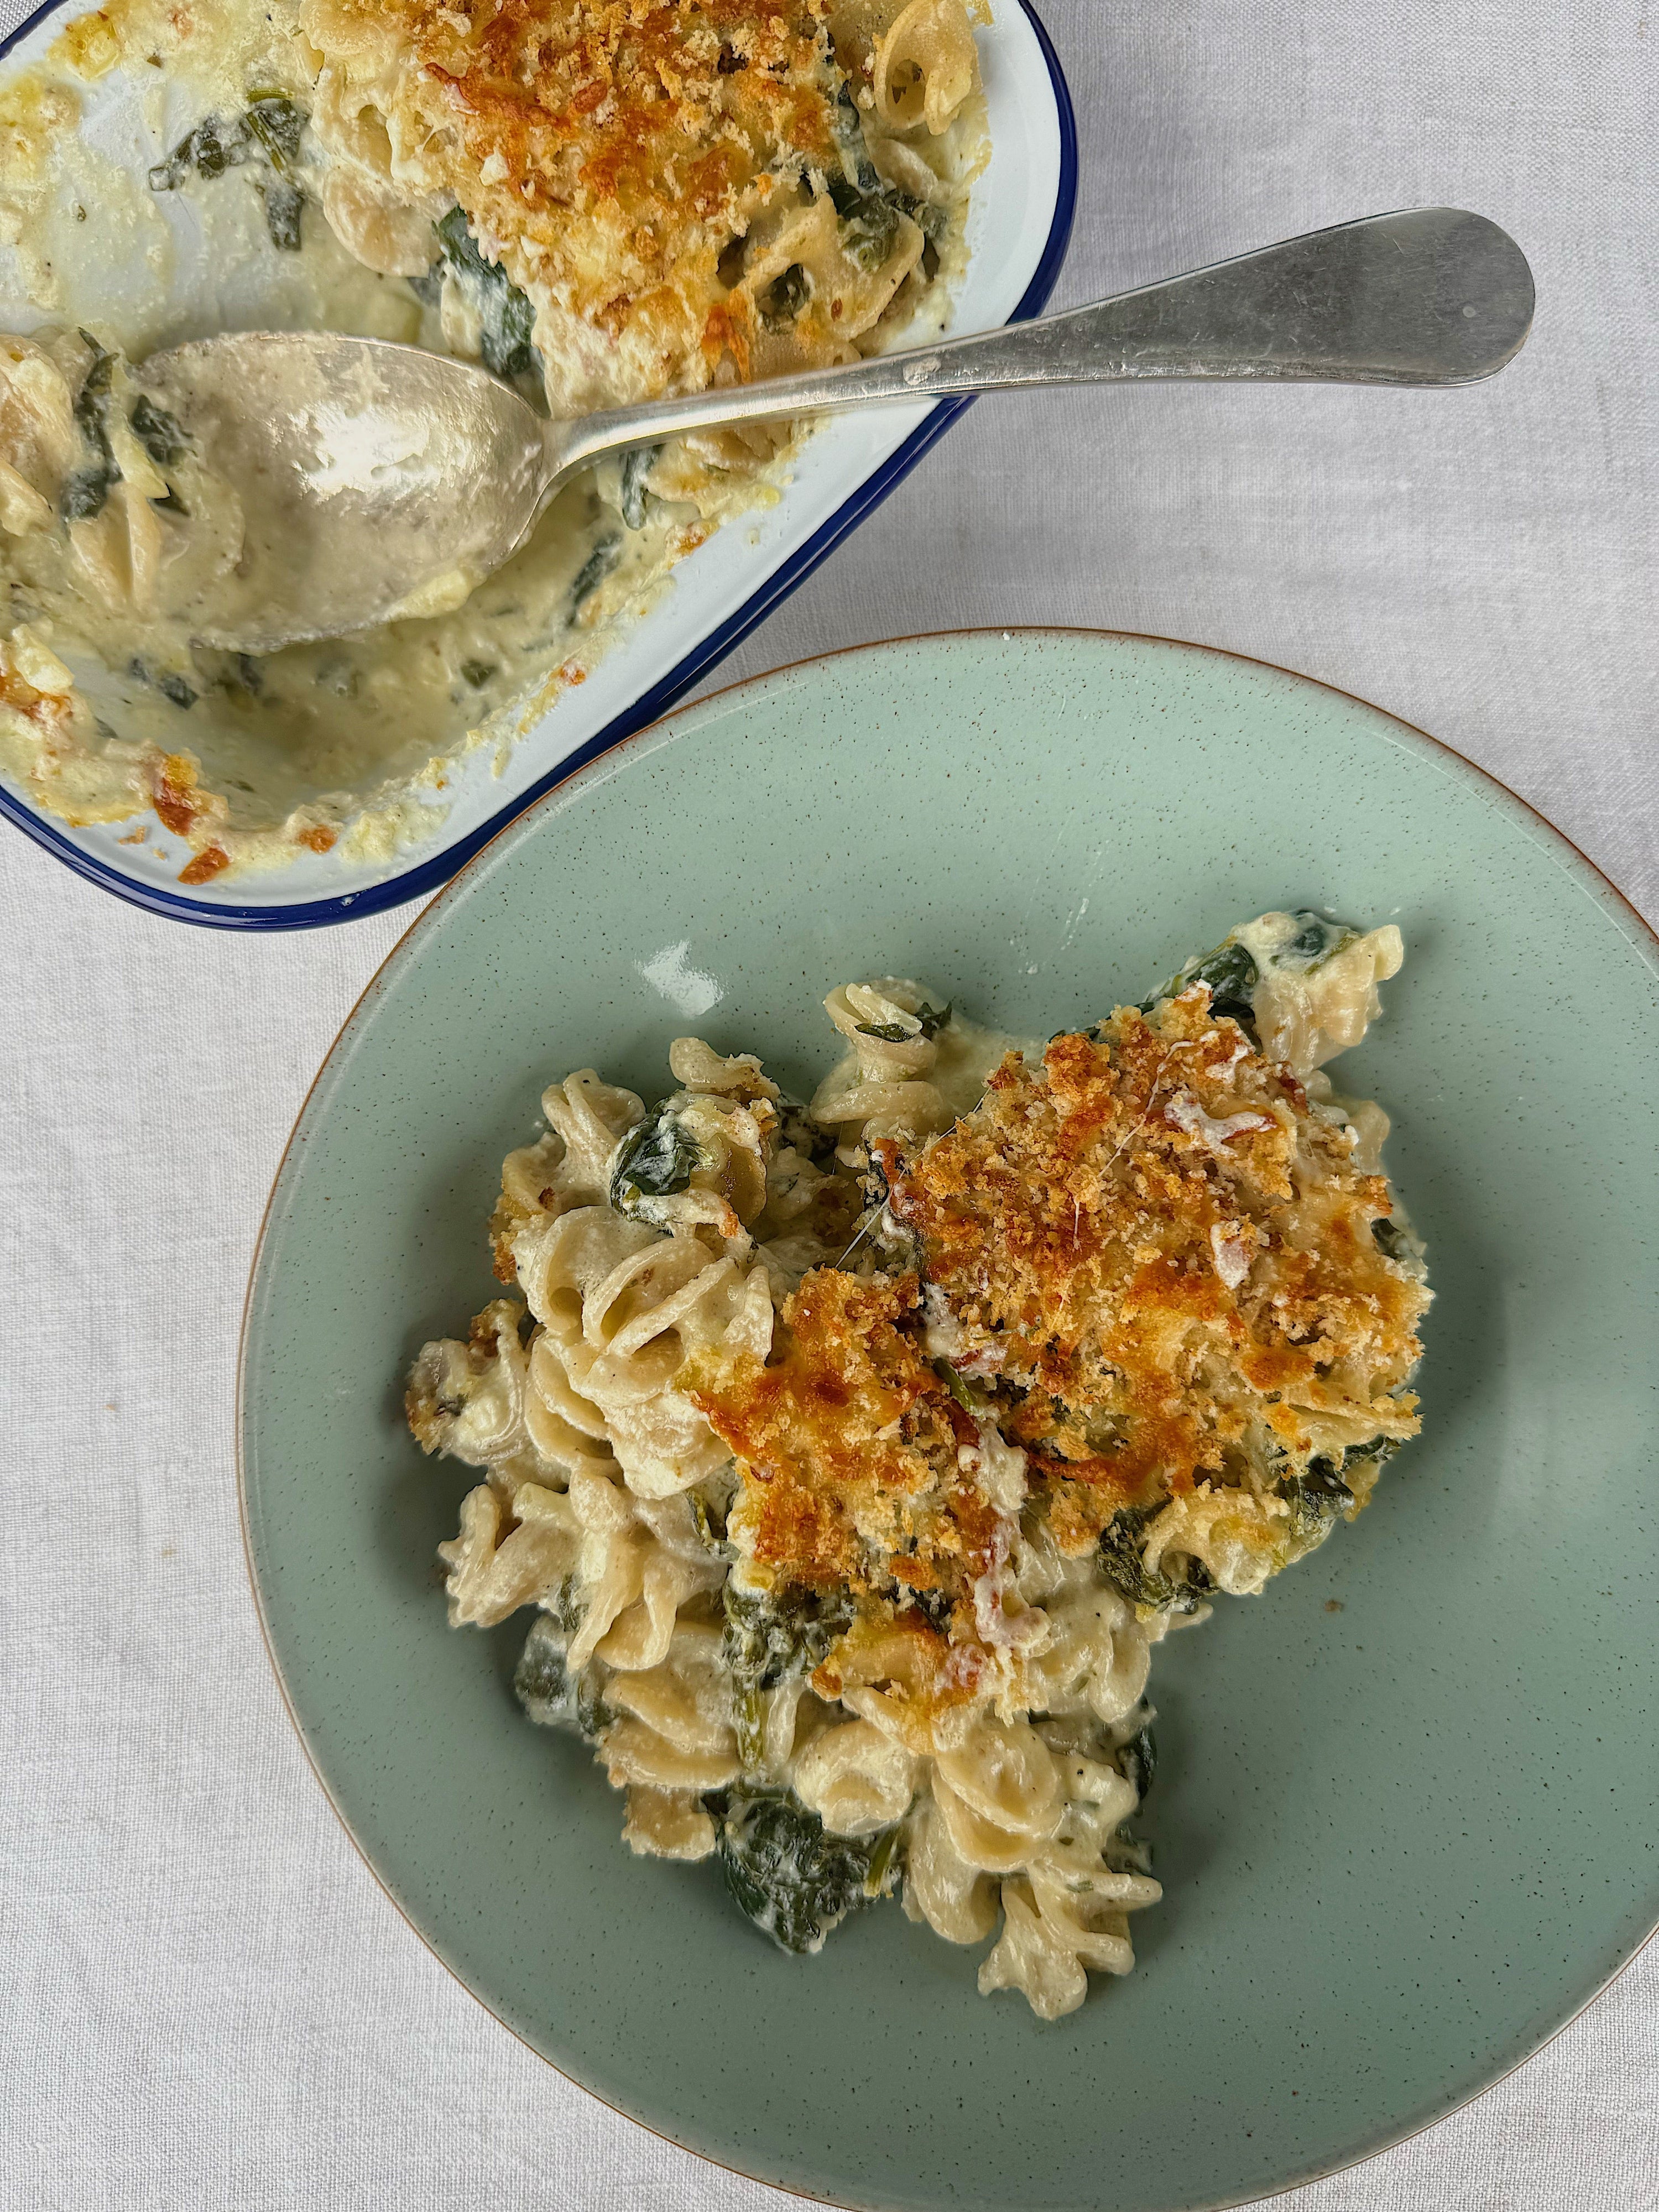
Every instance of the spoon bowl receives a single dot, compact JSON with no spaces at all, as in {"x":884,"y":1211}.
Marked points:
{"x":374,"y":480}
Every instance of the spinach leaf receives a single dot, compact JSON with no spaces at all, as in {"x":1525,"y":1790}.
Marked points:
{"x":160,"y":435}
{"x":175,"y":688}
{"x":784,"y":297}
{"x":1231,"y":973}
{"x":87,"y":489}
{"x":791,"y":1878}
{"x":1315,"y":939}
{"x":507,"y":319}
{"x":656,"y":1158}
{"x":859,"y":171}
{"x":1121,"y":1563}
{"x":710,"y":1515}
{"x":930,"y":220}
{"x":936,"y":1607}
{"x":1391,"y":1241}
{"x":1137,"y":1762}
{"x":636,"y":467}
{"x":869,"y":225}
{"x":605,"y":556}
{"x":771,"y":1636}
{"x":1127,"y":1854}
{"x":207,"y":151}
{"x":870,"y":220}
{"x":567,"y":1610}
{"x":1315,"y":1499}
{"x":886,"y":1868}
{"x":1381,"y":1449}
{"x":285,"y":206}
{"x":870,"y":210}
{"x":460,"y":249}
{"x":278,"y":125}
{"x":963,"y":1392}
{"x":932,"y":1018}
{"x":476,"y":673}
{"x":811,"y":1139}
{"x":212,"y":147}
{"x":551,"y":1695}
{"x":269,"y":132}
{"x":93,"y":395}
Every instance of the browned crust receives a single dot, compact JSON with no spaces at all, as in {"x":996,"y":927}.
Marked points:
{"x":1078,"y":1223}
{"x":848,"y":1440}
{"x":659,"y":124}
{"x":1157,"y":1254}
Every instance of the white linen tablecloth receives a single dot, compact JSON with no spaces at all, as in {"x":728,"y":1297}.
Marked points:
{"x":205,"y":1999}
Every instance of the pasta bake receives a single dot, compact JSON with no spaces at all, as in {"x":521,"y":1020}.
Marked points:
{"x":602,"y":203}
{"x":854,"y":1456}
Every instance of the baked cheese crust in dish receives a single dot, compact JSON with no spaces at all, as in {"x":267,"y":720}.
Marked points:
{"x":604,"y":201}
{"x":854,"y":1455}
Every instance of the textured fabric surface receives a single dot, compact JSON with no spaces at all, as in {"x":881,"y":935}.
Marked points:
{"x":205,"y":1999}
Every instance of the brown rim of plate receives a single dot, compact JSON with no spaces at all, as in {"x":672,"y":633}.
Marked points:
{"x":564,"y":784}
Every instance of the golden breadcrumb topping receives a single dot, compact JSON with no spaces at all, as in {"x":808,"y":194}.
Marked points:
{"x":1161,"y":1254}
{"x":1150,"y":1268}
{"x":607,"y":151}
{"x":851,"y":1444}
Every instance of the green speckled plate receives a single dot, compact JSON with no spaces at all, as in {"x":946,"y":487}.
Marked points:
{"x":1405,"y":1820}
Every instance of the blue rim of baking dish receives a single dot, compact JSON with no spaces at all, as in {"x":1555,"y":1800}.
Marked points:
{"x":432,"y":874}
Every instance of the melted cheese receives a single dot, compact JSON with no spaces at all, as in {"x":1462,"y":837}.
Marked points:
{"x":1167,"y":1254}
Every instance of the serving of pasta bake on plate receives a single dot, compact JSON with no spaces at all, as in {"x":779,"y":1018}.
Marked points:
{"x":602,"y":203}
{"x":846,"y":1457}
{"x":854,"y":1455}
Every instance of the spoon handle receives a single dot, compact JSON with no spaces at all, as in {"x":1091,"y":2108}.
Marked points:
{"x":1430,"y":296}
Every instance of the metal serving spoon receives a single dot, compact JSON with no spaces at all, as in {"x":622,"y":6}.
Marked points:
{"x":376,"y":479}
